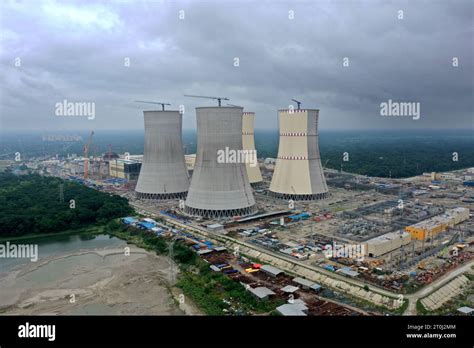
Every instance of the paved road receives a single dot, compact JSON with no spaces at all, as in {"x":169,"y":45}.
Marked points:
{"x":438,"y":283}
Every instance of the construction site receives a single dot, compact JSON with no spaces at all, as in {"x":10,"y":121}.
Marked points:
{"x":395,"y":234}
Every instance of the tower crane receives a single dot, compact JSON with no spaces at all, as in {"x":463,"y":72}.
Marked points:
{"x":151,"y":102}
{"x":298,"y":103}
{"x":219,"y":99}
{"x":86,"y":155}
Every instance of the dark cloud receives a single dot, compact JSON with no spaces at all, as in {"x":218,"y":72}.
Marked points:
{"x":77,"y":52}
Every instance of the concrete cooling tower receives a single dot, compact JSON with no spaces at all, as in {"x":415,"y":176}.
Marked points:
{"x":298,"y":172}
{"x":219,"y":189}
{"x":163,"y":174}
{"x":248,"y":143}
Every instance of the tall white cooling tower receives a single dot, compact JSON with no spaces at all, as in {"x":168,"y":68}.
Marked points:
{"x":163,"y":174}
{"x":298,"y":172}
{"x":219,"y":189}
{"x":248,"y":143}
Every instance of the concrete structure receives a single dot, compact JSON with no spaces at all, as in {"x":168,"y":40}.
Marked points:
{"x":248,"y":143}
{"x":190,"y":160}
{"x":215,"y":228}
{"x":433,"y":226}
{"x":219,"y":188}
{"x":298,"y":171}
{"x":163,"y":174}
{"x":442,"y":176}
{"x":124,"y":168}
{"x":386,"y":243}
{"x":452,"y":289}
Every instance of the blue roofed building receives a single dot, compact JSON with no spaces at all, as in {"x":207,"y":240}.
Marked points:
{"x":146,"y":225}
{"x":129,"y":220}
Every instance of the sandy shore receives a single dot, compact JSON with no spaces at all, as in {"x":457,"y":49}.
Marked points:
{"x":94,"y":282}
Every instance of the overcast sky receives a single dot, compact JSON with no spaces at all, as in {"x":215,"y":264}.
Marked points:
{"x":54,"y":51}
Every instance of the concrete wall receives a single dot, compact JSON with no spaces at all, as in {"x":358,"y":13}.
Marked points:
{"x":163,"y":170}
{"x":388,"y":242}
{"x":248,"y":143}
{"x":298,"y":169}
{"x":220,"y":188}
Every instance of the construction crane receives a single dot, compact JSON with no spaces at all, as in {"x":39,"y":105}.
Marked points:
{"x":150,"y":102}
{"x":86,"y":155}
{"x":235,"y":106}
{"x":219,"y":99}
{"x":298,"y":103}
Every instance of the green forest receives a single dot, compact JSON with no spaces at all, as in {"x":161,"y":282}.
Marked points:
{"x":32,"y":204}
{"x":396,"y":154}
{"x":383,"y":153}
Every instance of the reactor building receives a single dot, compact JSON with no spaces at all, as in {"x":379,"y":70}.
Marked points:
{"x":163,"y":174}
{"x":219,"y":186}
{"x":248,"y":143}
{"x":298,"y":172}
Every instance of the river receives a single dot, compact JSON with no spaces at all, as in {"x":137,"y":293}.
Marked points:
{"x":83,"y":274}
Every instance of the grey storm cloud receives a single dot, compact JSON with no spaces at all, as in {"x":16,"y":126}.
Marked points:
{"x":52,"y":50}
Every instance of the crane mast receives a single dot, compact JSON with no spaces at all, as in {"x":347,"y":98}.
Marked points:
{"x":86,"y":155}
{"x":219,"y":99}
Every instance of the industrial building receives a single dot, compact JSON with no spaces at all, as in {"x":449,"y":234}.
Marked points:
{"x":124,"y":169}
{"x":307,"y":284}
{"x":96,"y":167}
{"x":163,"y":174}
{"x":262,"y":293}
{"x":298,"y":171}
{"x":215,"y":228}
{"x":190,"y":160}
{"x":431,"y":227}
{"x":442,"y":176}
{"x":271,"y":271}
{"x":386,"y":243}
{"x":293,"y":309}
{"x":248,"y":144}
{"x":219,"y":188}
{"x":289,"y":289}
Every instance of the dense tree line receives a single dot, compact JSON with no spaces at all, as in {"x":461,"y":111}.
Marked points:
{"x":375,"y":153}
{"x":396,"y":154}
{"x":31,"y":204}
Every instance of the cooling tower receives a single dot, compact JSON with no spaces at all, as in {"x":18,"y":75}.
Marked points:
{"x":219,"y":189}
{"x":248,"y":143}
{"x":163,"y":174}
{"x":298,"y":172}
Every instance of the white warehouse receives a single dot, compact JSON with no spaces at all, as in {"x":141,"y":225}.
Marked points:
{"x":386,"y":243}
